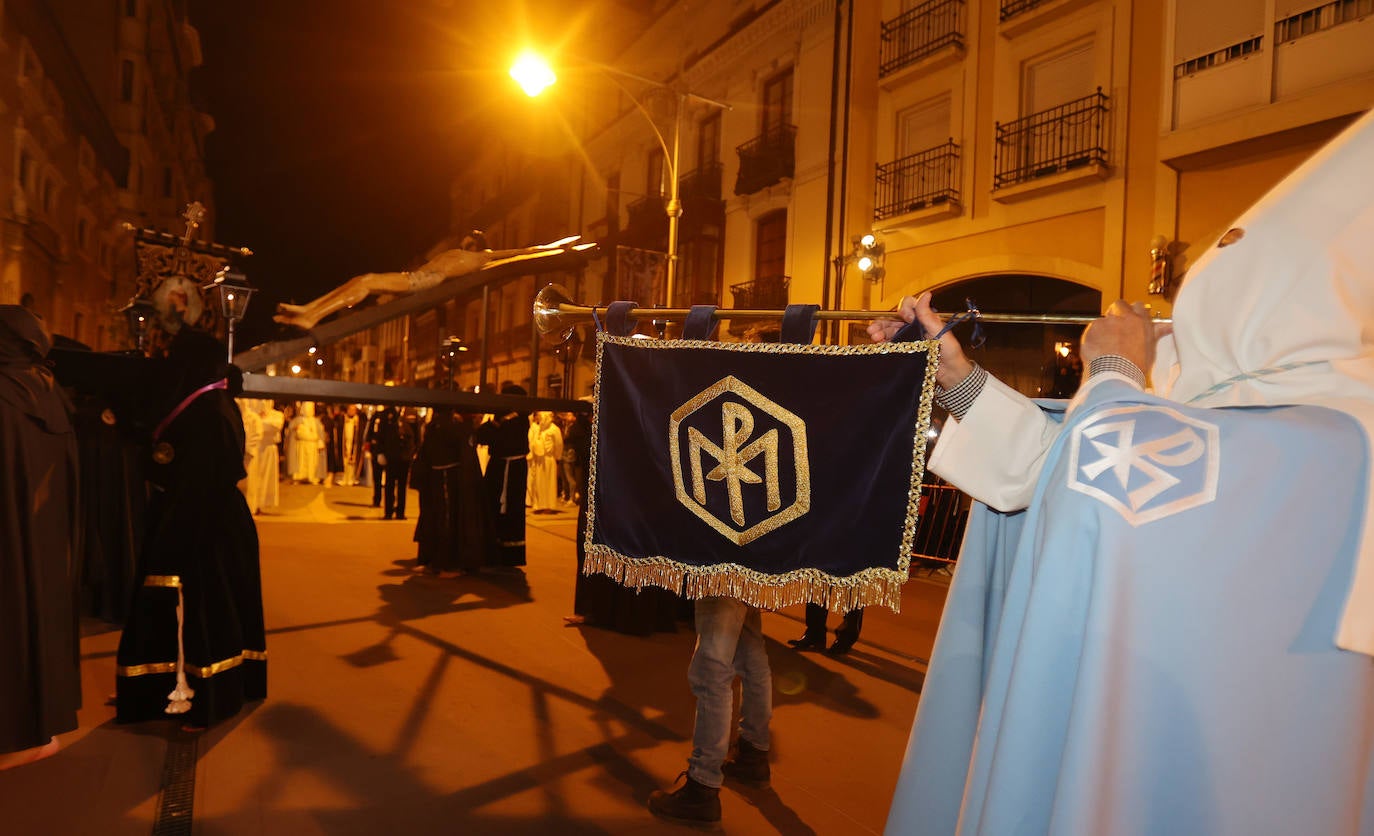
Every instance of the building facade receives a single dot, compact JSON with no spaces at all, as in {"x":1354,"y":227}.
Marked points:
{"x":1036,"y":155}
{"x":97,"y":130}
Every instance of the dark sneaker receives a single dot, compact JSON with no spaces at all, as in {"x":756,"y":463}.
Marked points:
{"x":693,"y":804}
{"x":749,"y":766}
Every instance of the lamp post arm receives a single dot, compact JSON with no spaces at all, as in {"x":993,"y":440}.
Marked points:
{"x":643,"y":111}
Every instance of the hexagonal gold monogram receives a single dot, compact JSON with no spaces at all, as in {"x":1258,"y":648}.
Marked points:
{"x":742,"y":461}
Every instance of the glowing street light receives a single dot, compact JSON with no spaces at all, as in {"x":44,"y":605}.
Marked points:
{"x":534,"y":75}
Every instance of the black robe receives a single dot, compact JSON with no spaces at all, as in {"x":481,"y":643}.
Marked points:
{"x":455,"y":526}
{"x":40,"y":681}
{"x":604,"y":602}
{"x":508,"y":442}
{"x":201,"y":545}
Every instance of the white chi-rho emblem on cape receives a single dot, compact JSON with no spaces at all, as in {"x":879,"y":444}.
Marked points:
{"x":747,"y":459}
{"x":1145,"y":462}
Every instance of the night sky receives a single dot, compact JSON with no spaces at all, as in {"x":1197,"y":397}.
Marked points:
{"x":340,"y":125}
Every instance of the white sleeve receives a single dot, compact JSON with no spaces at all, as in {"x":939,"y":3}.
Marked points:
{"x":995,"y":454}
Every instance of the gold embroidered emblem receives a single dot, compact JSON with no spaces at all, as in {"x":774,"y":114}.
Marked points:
{"x":742,"y":459}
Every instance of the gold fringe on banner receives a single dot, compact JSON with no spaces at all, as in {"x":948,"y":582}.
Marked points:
{"x":870,"y":587}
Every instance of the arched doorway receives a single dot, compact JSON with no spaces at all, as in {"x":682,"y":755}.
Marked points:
{"x":1036,"y":360}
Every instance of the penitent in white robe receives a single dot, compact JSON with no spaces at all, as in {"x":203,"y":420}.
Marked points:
{"x":1148,"y":648}
{"x":546,"y":451}
{"x":267,"y":461}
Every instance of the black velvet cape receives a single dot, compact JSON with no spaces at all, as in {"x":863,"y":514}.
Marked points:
{"x":454,"y":530}
{"x":200,"y":542}
{"x":40,"y":682}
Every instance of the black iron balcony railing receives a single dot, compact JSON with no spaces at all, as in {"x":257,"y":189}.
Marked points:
{"x":926,"y":178}
{"x":918,"y":32}
{"x":1069,"y":136}
{"x":647,"y":213}
{"x":701,"y":183}
{"x":766,"y":159}
{"x":763,"y":293}
{"x":1012,"y":8}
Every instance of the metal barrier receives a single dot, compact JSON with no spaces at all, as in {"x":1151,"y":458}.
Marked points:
{"x":940,"y":530}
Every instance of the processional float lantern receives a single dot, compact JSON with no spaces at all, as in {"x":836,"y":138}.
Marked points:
{"x":173,"y":271}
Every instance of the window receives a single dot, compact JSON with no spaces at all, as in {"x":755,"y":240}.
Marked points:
{"x":613,"y":202}
{"x":777,"y":102}
{"x":653,"y":179}
{"x":770,"y":254}
{"x":28,"y":63}
{"x":1059,"y":78}
{"x":82,"y":234}
{"x":25,"y":170}
{"x":1203,"y":27}
{"x":923,"y":126}
{"x":166,"y":181}
{"x":708,"y":141}
{"x":126,"y":81}
{"x":131,"y":8}
{"x":78,"y":323}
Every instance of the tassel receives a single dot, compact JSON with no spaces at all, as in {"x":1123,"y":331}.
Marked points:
{"x":179,"y":701}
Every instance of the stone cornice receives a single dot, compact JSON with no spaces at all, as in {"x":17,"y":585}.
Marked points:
{"x":781,"y":17}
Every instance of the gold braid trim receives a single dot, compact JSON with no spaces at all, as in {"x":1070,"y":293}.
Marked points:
{"x":873,"y":586}
{"x":203,"y":673}
{"x":170,"y":581}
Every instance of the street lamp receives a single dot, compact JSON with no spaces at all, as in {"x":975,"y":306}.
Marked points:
{"x":450,"y":348}
{"x":534,"y":75}
{"x":139,"y":314}
{"x":234,"y":292}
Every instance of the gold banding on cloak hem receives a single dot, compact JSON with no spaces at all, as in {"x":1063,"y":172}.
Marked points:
{"x":200,"y":672}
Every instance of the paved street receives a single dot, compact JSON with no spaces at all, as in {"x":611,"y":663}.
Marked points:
{"x":411,"y":704}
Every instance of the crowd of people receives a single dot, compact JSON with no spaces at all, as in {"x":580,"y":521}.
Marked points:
{"x":389,"y":449}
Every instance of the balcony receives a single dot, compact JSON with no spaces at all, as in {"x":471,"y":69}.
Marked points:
{"x":919,"y":32}
{"x":918,"y":181}
{"x":766,"y":159}
{"x":647,"y":224}
{"x":701,"y":183}
{"x":1012,"y":8}
{"x":766,"y":293}
{"x":1072,"y":136}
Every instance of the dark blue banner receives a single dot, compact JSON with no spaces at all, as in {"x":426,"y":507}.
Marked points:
{"x":775,"y":473}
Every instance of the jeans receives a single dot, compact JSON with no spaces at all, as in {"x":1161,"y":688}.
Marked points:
{"x":729,"y":644}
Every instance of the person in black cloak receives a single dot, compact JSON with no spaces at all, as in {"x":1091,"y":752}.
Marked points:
{"x":599,"y":601}
{"x":40,"y":679}
{"x":454,"y":531}
{"x":507,"y":440}
{"x":194,"y":643}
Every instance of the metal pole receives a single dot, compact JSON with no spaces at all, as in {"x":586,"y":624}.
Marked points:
{"x":230,"y":340}
{"x":674,"y":203}
{"x":484,"y":333}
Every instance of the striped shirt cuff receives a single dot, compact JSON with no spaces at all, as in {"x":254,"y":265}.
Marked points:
{"x":1118,"y":364}
{"x":958,"y":399}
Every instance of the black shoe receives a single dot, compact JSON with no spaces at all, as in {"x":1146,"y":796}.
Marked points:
{"x":692,"y":804}
{"x":839,"y":648}
{"x":808,"y":642}
{"x":749,"y":766}
{"x":386,"y":516}
{"x":400,"y":516}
